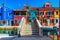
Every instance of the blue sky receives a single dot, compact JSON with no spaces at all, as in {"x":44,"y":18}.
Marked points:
{"x":19,"y":4}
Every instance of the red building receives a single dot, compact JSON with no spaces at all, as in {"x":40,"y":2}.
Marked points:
{"x":18,"y":14}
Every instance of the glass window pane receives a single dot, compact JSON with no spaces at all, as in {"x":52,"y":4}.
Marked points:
{"x":23,"y":13}
{"x":56,"y":20}
{"x":47,"y":13}
{"x":51,"y":13}
{"x":56,"y":12}
{"x":41,"y":13}
{"x":16,"y":13}
{"x":51,"y":21}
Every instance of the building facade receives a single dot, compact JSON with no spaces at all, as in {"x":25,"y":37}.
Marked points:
{"x":32,"y":14}
{"x":46,"y":15}
{"x":18,"y":14}
{"x":56,"y":17}
{"x":5,"y":15}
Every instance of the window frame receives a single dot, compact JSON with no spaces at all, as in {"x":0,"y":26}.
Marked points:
{"x":51,"y":21}
{"x":49,"y":13}
{"x":57,"y":13}
{"x":41,"y":13}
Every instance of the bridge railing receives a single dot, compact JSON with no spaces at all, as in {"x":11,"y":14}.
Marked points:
{"x":38,"y":23}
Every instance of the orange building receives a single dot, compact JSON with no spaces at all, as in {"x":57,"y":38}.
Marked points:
{"x":46,"y":15}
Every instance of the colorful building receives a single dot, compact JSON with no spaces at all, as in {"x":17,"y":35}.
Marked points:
{"x":10,"y":17}
{"x":46,"y":15}
{"x":46,"y":19}
{"x":18,"y":14}
{"x":5,"y":15}
{"x":56,"y":17}
{"x":11,"y":31}
{"x":30,"y":11}
{"x":32,"y":14}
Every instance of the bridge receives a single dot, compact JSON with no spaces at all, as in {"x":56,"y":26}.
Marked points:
{"x":30,"y":29}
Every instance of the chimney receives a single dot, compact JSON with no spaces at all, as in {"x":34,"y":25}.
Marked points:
{"x":26,"y":7}
{"x":47,"y":5}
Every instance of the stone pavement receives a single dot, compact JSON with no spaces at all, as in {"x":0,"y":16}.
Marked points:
{"x":26,"y":38}
{"x":33,"y":38}
{"x":7,"y":38}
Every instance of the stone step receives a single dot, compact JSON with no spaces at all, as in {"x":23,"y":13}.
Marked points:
{"x":28,"y":29}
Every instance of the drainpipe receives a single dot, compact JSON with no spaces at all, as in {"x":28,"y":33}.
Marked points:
{"x":59,"y":25}
{"x":48,"y":22}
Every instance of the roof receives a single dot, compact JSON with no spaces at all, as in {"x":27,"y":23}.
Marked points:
{"x":19,"y":10}
{"x":33,"y":8}
{"x":40,"y":9}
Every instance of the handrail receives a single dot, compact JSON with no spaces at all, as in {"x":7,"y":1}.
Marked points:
{"x":20,"y":25}
{"x":38,"y":23}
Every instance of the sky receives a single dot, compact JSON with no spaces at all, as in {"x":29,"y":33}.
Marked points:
{"x":19,"y":4}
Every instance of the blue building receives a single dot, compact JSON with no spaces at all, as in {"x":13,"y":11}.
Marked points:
{"x":9,"y":17}
{"x":0,"y":12}
{"x":6,"y":15}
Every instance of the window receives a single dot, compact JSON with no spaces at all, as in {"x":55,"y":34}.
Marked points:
{"x":56,"y":20}
{"x":41,"y":13}
{"x":0,"y":14}
{"x":9,"y":13}
{"x":23,"y":13}
{"x":51,"y":21}
{"x":4,"y":22}
{"x":12,"y":23}
{"x":12,"y":32}
{"x":16,"y":13}
{"x":47,"y":5}
{"x":56,"y":12}
{"x":15,"y":20}
{"x":27,"y":7}
{"x":4,"y":31}
{"x":49,"y":13}
{"x":44,"y":21}
{"x":9,"y":22}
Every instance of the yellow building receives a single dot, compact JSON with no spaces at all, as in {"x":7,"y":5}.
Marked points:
{"x":56,"y":13}
{"x":56,"y":17}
